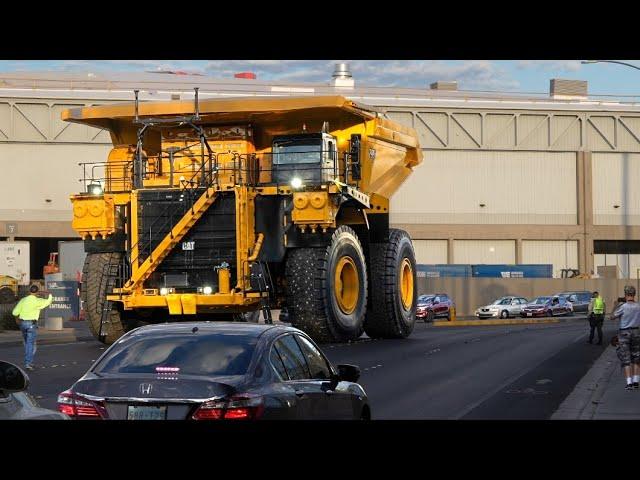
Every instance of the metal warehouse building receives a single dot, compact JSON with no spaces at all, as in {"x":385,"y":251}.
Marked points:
{"x":506,"y":178}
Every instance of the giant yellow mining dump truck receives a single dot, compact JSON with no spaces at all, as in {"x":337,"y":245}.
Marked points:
{"x":217,"y":209}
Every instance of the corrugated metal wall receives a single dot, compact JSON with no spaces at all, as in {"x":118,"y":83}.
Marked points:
{"x":616,"y":181}
{"x":628,"y":265}
{"x":484,"y":251}
{"x":514,"y":187}
{"x":40,"y":172}
{"x":430,"y":251}
{"x":561,"y":254}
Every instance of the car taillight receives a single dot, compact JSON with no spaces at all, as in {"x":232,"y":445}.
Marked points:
{"x":238,"y":407}
{"x":76,"y":406}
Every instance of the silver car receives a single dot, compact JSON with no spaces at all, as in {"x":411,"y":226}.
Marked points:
{"x":503,"y":307}
{"x":15,"y":402}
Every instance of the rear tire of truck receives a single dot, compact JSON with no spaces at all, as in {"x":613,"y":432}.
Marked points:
{"x":93,"y":293}
{"x":392,"y":269}
{"x":7,"y":295}
{"x":327,"y":288}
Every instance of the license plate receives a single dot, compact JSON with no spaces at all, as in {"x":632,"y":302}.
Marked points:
{"x":529,"y":314}
{"x":136,"y":412}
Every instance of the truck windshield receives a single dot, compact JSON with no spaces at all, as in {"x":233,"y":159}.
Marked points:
{"x":289,"y":152}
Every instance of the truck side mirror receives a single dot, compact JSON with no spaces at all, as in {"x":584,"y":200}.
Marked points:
{"x":354,"y":154}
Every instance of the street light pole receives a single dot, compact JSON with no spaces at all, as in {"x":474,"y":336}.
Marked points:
{"x":586,"y":62}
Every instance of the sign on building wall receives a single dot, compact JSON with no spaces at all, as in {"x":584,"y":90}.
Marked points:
{"x":66,"y":302}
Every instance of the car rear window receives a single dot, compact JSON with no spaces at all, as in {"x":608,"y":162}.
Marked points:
{"x":190,"y":353}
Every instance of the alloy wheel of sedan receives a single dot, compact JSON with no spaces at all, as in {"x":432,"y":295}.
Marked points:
{"x":504,"y":314}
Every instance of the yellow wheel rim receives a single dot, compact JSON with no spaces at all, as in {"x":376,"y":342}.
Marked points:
{"x":406,"y":284}
{"x":346,"y":285}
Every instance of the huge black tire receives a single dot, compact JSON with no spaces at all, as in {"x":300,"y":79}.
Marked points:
{"x":93,"y":294}
{"x":392,"y":269}
{"x":327,"y":288}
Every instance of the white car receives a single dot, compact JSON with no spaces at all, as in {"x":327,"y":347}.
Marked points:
{"x":503,"y":307}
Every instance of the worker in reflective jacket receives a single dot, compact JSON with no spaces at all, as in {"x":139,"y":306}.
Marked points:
{"x":596,"y":316}
{"x":27,"y":312}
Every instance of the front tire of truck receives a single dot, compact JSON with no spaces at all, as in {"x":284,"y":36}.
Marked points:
{"x":327,"y":288}
{"x":93,"y":293}
{"x":392,"y":268}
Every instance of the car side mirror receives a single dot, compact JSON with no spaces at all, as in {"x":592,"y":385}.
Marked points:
{"x":348,"y":373}
{"x":12,"y":378}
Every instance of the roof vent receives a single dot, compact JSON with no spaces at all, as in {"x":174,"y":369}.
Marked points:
{"x":568,"y":89}
{"x":440,"y":85}
{"x":342,"y":76}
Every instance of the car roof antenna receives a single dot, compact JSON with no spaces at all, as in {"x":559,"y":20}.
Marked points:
{"x":194,"y":329}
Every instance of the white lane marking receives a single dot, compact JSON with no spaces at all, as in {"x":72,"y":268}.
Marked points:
{"x":373,"y":367}
{"x":579,"y":337}
{"x":60,"y":344}
{"x":502,"y":386}
{"x":542,"y":381}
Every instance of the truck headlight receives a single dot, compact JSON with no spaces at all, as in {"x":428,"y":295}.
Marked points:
{"x":164,"y":291}
{"x":207,"y":290}
{"x":296,"y":182}
{"x":95,"y":189}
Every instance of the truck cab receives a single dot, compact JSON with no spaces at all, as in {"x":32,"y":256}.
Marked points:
{"x":304,"y":159}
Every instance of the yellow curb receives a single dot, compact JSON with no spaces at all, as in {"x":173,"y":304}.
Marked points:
{"x":469,"y":323}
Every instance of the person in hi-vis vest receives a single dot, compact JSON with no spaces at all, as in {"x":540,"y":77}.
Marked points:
{"x":596,"y":316}
{"x":27,"y":312}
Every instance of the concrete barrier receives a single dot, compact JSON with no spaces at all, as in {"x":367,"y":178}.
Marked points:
{"x":53,"y":323}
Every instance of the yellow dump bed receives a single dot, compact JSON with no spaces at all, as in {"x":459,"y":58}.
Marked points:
{"x":271,"y":116}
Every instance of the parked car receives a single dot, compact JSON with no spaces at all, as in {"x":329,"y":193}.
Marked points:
{"x":547,"y":307}
{"x":503,"y":307}
{"x":579,"y":300}
{"x":15,"y":402}
{"x":215,"y":371}
{"x":430,"y":306}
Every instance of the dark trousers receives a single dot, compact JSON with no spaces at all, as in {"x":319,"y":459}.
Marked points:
{"x":595,"y":321}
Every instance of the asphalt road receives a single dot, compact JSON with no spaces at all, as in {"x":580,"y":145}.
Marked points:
{"x":488,"y":372}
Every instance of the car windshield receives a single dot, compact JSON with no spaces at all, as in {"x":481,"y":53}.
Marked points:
{"x":502,"y":301}
{"x":190,"y":354}
{"x":541,"y":300}
{"x":425,"y":298}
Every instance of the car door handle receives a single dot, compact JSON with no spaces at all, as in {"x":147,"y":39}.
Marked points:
{"x":329,"y":392}
{"x":300,"y":393}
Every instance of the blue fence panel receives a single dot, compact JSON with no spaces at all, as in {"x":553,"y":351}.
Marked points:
{"x":443,"y":270}
{"x":513,"y":271}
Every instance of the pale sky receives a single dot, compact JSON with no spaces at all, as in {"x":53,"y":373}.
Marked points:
{"x":493,"y":75}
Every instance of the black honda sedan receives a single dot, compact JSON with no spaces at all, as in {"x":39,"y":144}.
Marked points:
{"x":215,"y":371}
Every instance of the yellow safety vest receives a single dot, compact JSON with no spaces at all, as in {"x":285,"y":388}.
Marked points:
{"x":598,"y":306}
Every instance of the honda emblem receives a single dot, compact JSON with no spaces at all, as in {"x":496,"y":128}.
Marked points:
{"x":145,"y":388}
